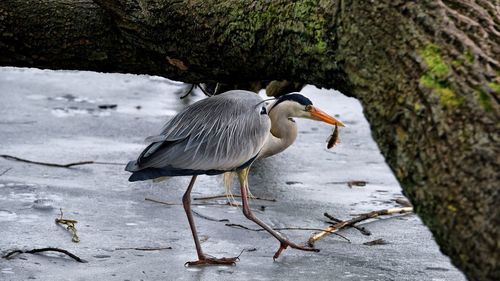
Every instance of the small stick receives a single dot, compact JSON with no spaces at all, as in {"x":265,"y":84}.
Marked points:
{"x":4,"y":172}
{"x":209,"y":218}
{"x":234,"y":225}
{"x":384,"y":212}
{"x":232,"y":204}
{"x":188,"y":92}
{"x":69,"y":165}
{"x":351,"y":183}
{"x":246,"y":250}
{"x":361,"y":229}
{"x":336,"y":227}
{"x":379,"y":241}
{"x":70,"y":226}
{"x":14,"y":253}
{"x":107,"y":163}
{"x":236,"y":195}
{"x":179,"y":204}
{"x":145,"y":249}
{"x":161,"y":202}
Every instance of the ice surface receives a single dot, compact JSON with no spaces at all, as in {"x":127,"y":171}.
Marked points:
{"x":54,"y":116}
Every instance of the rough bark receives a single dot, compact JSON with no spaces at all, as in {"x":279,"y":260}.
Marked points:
{"x":68,"y":35}
{"x":426,"y":72}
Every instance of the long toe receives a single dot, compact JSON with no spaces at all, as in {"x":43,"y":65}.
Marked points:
{"x":287,"y":244}
{"x":212,"y":261}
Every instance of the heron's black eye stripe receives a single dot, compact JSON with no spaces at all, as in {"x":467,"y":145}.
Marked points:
{"x":263,"y":110}
{"x":293,"y":97}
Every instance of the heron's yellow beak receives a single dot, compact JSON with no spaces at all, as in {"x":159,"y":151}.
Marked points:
{"x":320,"y":115}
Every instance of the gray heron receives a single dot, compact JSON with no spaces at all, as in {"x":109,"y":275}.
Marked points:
{"x":224,"y":133}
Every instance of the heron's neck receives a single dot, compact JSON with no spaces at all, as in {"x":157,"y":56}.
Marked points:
{"x":283,"y":132}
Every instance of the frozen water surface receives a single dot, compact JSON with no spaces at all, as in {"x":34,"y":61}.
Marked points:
{"x":70,"y":116}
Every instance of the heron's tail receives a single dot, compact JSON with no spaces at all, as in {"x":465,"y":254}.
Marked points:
{"x":132,"y":166}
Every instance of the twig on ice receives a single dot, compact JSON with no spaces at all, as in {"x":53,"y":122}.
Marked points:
{"x":376,"y":242}
{"x":193,"y":204}
{"x":189,"y":91}
{"x":145,"y":249}
{"x":361,"y":229}
{"x":236,"y":195}
{"x":161,"y":202}
{"x":356,"y":183}
{"x":14,"y":253}
{"x":5,"y":171}
{"x":69,"y":165}
{"x":336,"y":227}
{"x":209,"y":218}
{"x":234,"y":225}
{"x":350,"y":183}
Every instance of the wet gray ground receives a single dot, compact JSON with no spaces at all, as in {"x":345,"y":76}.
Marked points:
{"x":54,"y":117}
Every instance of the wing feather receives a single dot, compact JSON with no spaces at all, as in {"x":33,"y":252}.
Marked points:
{"x":218,"y":133}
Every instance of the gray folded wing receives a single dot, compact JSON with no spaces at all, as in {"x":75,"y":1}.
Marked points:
{"x":220,"y":133}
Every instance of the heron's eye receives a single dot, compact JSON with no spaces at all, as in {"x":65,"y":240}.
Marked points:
{"x":308,"y":108}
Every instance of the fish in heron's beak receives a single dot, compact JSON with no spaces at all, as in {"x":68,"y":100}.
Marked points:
{"x":318,"y":114}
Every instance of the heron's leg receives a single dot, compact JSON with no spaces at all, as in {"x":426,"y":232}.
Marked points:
{"x":284,"y":243}
{"x":202,"y":258}
{"x":186,"y":202}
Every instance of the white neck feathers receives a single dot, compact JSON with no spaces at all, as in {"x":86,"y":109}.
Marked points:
{"x":283,"y":130}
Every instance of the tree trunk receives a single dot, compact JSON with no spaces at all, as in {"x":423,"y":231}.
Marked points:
{"x":426,"y":73}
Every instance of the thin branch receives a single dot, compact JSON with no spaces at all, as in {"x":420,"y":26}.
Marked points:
{"x":209,"y":218}
{"x":336,"y":227}
{"x":246,"y":250}
{"x":107,"y":163}
{"x":4,"y":172}
{"x":376,"y":242}
{"x":356,"y":183}
{"x":236,"y":195}
{"x":69,"y":165}
{"x":233,"y":204}
{"x":188,"y":92}
{"x":234,"y":225}
{"x":161,"y":202}
{"x":145,"y":249}
{"x":361,"y":229}
{"x":351,"y":183}
{"x":14,"y":253}
{"x":238,"y":225}
{"x":193,"y":204}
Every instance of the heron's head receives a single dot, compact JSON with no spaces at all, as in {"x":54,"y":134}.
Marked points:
{"x":296,"y":105}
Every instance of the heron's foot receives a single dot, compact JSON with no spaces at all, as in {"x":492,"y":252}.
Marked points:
{"x":287,"y":243}
{"x":208,"y":260}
